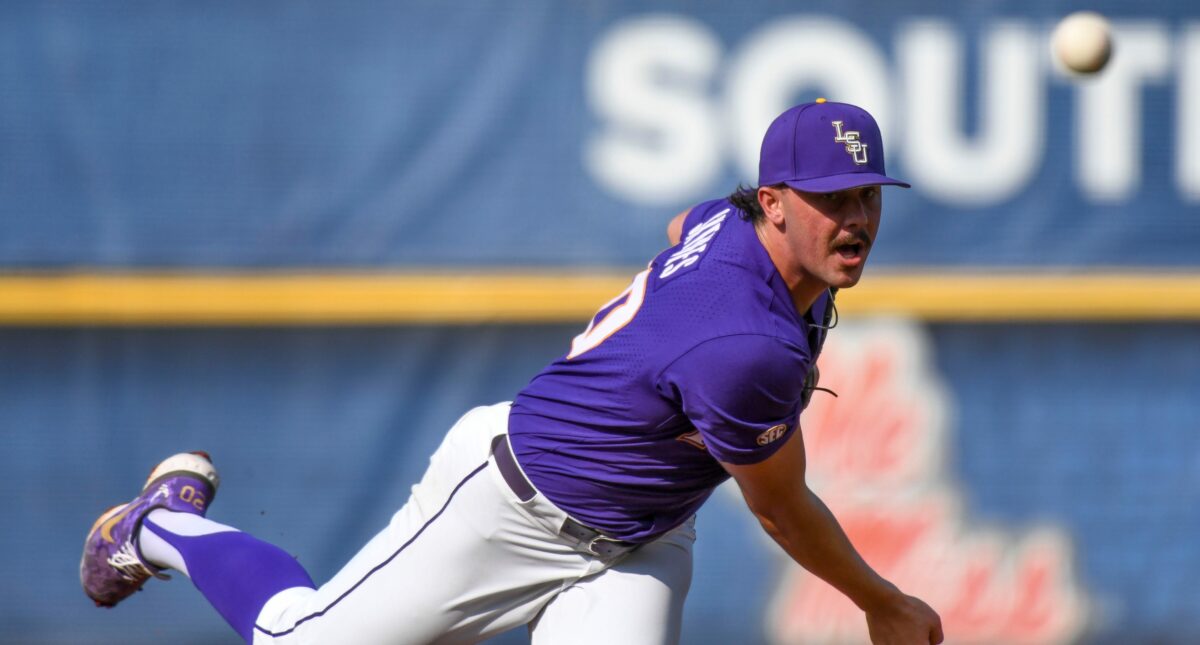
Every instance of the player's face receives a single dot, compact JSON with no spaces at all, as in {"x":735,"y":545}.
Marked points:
{"x":829,"y":235}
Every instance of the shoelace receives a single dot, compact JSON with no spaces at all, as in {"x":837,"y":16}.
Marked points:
{"x":128,"y":564}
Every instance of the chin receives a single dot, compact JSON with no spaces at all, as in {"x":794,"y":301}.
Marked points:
{"x":846,"y":280}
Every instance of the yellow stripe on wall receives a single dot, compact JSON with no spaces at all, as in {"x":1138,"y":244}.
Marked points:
{"x":273,"y":299}
{"x":959,"y":296}
{"x":539,"y":297}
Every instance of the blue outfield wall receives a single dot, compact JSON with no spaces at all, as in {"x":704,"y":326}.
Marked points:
{"x":542,"y":133}
{"x":1087,"y":432}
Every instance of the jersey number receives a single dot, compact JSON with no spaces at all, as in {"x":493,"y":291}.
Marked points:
{"x":612,"y":322}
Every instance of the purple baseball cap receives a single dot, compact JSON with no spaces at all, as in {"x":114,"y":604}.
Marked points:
{"x":823,"y":147}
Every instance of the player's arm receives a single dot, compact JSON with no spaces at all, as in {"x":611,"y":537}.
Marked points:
{"x":800,"y":522}
{"x":736,"y":387}
{"x":675,"y":228}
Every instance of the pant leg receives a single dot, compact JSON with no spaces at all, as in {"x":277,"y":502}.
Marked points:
{"x":637,"y":601}
{"x":458,"y":563}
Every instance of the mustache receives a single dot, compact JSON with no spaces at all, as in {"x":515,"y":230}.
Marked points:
{"x":860,"y":236}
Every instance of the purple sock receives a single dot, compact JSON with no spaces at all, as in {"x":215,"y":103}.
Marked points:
{"x":238,"y":573}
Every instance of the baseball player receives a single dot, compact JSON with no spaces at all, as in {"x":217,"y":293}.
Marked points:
{"x":571,"y":509}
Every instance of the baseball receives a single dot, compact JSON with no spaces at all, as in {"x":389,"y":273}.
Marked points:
{"x":1082,"y":42}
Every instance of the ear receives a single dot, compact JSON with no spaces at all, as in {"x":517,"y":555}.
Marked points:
{"x":771,"y":200}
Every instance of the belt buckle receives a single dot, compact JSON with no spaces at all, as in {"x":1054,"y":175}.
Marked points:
{"x":591,"y":545}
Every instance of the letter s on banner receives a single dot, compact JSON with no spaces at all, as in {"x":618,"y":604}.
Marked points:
{"x":660,"y":143}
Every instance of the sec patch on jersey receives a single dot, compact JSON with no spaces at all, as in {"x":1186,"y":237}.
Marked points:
{"x":772,"y":434}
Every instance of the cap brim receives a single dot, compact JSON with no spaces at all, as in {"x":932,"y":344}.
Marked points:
{"x":834,"y":183}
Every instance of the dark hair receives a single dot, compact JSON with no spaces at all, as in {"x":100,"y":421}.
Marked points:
{"x":745,"y":199}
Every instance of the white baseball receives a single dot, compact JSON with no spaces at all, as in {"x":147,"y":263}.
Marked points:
{"x":1082,"y":42}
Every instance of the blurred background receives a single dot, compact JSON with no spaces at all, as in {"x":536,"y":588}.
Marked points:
{"x":307,"y":236}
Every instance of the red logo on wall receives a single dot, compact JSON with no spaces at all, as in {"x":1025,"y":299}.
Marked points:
{"x":876,"y":457}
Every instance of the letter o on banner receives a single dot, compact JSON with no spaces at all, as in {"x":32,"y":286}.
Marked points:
{"x":832,"y":57}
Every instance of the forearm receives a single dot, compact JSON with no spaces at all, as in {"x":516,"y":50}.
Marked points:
{"x":808,"y":532}
{"x":811,"y":535}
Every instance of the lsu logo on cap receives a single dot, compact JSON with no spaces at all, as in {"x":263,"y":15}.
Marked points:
{"x":771,"y":434}
{"x":855,"y":148}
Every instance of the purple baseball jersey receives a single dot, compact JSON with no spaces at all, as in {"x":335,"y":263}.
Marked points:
{"x":702,"y":359}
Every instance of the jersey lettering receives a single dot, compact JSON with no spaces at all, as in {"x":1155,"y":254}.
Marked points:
{"x":693,"y":245}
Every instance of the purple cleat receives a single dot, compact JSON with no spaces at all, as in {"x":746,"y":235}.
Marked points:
{"x":112,"y":567}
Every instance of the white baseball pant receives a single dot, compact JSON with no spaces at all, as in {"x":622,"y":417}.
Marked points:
{"x":465,"y":559}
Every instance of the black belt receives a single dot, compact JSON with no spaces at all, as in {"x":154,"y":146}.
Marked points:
{"x":590,"y":540}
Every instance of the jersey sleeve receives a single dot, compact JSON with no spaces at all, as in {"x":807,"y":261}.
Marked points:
{"x":742,"y":393}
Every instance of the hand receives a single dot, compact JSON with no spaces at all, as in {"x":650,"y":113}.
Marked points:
{"x":904,"y":620}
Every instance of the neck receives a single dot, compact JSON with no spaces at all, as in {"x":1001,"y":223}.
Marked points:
{"x":803,"y":286}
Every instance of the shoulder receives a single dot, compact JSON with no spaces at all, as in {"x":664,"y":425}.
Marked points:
{"x":707,"y":211}
{"x":760,"y":353}
{"x":734,"y":361}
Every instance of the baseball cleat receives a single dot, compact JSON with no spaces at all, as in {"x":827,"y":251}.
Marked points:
{"x":112,"y":567}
